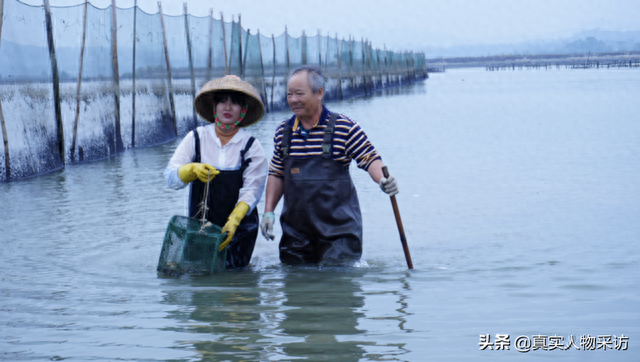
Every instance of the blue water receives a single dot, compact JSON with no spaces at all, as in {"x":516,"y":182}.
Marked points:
{"x":518,"y":194}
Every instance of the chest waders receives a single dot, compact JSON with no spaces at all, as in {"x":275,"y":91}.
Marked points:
{"x":224,"y":191}
{"x":321,"y":220}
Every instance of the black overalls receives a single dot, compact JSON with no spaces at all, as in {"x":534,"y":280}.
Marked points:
{"x":224,"y":191}
{"x":321,"y":221}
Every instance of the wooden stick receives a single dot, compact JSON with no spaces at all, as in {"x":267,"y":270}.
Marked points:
{"x":133,"y":71}
{"x":190,"y":54}
{"x":5,"y":137}
{"x":320,"y":51}
{"x":286,"y":48}
{"x":56,"y":82}
{"x":273,"y":77}
{"x":166,"y":57}
{"x":224,"y":45}
{"x":75,"y":123}
{"x":264,"y":86}
{"x":240,"y":46}
{"x":396,"y":212}
{"x":304,"y":48}
{"x":210,"y":60}
{"x":246,"y":51}
{"x":116,"y":75}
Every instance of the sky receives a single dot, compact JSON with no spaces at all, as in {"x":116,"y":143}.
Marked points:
{"x":410,"y":24}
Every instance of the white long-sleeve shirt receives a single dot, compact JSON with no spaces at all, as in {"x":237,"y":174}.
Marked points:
{"x":222,"y":158}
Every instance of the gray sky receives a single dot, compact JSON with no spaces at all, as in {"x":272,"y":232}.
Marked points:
{"x":405,"y":24}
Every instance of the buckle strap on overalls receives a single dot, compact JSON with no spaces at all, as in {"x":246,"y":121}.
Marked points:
{"x":196,"y":157}
{"x":328,"y":135}
{"x":286,"y":139}
{"x":246,"y":149}
{"x":326,"y":142}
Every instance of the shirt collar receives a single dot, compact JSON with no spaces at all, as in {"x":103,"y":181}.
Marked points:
{"x":293,"y":121}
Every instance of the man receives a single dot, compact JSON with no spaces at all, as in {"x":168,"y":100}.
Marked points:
{"x":321,"y":220}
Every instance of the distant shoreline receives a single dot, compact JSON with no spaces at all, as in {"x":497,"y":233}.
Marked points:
{"x":532,"y":60}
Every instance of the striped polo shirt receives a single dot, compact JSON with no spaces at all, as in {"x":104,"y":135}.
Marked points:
{"x":349,"y":143}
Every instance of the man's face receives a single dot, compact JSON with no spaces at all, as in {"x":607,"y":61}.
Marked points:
{"x":302,"y":101}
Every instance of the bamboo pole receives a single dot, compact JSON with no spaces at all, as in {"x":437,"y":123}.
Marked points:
{"x":273,"y":77}
{"x":326,"y":53}
{"x":364,"y":72}
{"x":75,"y":123}
{"x":133,"y":80}
{"x":5,"y":137}
{"x":264,"y":86}
{"x":319,"y":51}
{"x":116,"y":75}
{"x":189,"y":52}
{"x":379,"y":68}
{"x":224,"y":45}
{"x":210,"y":60}
{"x":386,"y":64}
{"x":304,"y":48}
{"x":339,"y":52}
{"x":353,"y":87}
{"x":56,"y":82}
{"x":166,"y":57}
{"x":240,"y":46}
{"x":246,"y":48}
{"x":286,"y":46}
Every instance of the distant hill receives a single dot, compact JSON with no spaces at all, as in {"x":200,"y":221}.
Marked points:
{"x":594,"y":41}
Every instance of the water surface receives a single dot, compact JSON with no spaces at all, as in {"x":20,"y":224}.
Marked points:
{"x":519,"y":197}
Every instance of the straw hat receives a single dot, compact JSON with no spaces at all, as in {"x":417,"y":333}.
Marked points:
{"x":204,"y":98}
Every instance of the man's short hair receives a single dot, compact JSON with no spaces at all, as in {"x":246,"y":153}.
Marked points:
{"x":314,"y":76}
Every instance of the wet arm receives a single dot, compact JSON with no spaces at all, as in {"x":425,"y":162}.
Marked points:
{"x":275,"y":189}
{"x":375,"y":170}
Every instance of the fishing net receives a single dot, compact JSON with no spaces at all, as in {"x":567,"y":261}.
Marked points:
{"x":191,"y":247}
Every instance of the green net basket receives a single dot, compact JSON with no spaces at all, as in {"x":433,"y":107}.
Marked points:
{"x":188,"y":248}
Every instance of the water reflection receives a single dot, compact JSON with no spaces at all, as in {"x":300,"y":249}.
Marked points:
{"x":224,"y":311}
{"x":267,"y":315}
{"x":322,"y":309}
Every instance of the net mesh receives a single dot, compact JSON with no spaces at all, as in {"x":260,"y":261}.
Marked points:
{"x":190,"y":248}
{"x":148,"y":102}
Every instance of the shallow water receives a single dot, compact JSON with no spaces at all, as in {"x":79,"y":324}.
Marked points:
{"x":519,"y":197}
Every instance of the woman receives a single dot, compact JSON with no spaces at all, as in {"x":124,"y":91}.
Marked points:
{"x":229,"y":159}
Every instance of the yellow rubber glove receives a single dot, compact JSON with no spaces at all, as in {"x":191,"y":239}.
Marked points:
{"x":201,"y":171}
{"x":232,"y":223}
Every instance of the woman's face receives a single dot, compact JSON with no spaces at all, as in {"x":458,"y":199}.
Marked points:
{"x":228,"y":111}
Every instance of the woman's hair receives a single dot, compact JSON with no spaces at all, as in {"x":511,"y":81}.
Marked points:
{"x":236,"y":97}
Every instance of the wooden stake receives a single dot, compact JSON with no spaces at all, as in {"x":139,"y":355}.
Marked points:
{"x":273,"y":78}
{"x":166,"y":57}
{"x":210,"y":62}
{"x":240,"y":46}
{"x":133,"y":80}
{"x":364,"y":73}
{"x":5,"y":136}
{"x":286,"y":48}
{"x":224,"y":45}
{"x":116,"y":75}
{"x":189,"y":52}
{"x":304,"y":48}
{"x":351,"y":76}
{"x":319,"y":51}
{"x":78,"y":94}
{"x":339,"y":51}
{"x":246,"y":49}
{"x":56,"y":82}
{"x":264,"y":86}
